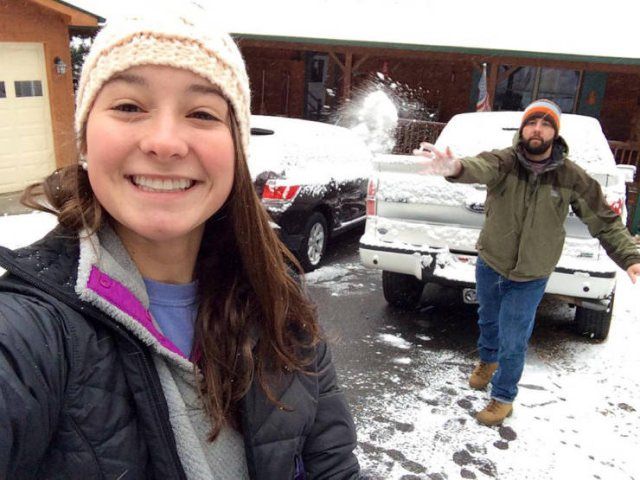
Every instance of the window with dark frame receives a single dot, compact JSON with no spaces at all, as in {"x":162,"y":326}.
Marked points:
{"x":28,"y":88}
{"x":525,"y":84}
{"x":3,"y":90}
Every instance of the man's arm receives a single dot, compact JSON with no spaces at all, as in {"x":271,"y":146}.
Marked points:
{"x":486,"y":168}
{"x":440,"y":163}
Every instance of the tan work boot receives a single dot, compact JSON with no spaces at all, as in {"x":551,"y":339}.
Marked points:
{"x":494,"y":413}
{"x":481,"y":375}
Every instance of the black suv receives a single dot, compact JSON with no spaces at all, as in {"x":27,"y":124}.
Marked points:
{"x":312,"y":179}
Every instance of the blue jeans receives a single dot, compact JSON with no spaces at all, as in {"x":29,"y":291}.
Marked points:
{"x":506,"y":315}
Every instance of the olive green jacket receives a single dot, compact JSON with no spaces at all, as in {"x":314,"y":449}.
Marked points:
{"x":523,"y":231}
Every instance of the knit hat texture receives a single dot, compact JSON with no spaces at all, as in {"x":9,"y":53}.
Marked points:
{"x":543,"y":108}
{"x":187,"y":39}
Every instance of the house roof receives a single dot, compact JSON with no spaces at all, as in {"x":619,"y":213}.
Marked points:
{"x":555,"y":29}
{"x":588,"y":31}
{"x":77,"y":17}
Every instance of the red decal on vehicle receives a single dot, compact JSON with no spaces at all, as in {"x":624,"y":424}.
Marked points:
{"x":617,"y":206}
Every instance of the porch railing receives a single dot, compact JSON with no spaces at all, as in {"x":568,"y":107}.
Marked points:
{"x":628,"y":153}
{"x":410,"y":133}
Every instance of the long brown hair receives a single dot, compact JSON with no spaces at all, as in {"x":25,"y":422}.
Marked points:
{"x":253,"y":319}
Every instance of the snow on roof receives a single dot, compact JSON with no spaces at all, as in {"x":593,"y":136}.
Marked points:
{"x":552,"y":27}
{"x":549,"y":28}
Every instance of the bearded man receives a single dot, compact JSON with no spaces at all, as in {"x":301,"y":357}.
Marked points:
{"x":530,"y":187}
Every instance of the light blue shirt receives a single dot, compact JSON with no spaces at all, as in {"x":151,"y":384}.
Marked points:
{"x":174,"y":308}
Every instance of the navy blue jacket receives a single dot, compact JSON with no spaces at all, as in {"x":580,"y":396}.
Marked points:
{"x":80,"y":397}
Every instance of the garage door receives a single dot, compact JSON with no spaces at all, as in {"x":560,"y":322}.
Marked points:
{"x":26,"y":140}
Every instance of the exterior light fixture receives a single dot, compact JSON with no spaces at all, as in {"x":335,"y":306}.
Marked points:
{"x":61,"y":67}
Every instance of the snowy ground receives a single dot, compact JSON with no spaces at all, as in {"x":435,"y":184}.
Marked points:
{"x":576,"y":416}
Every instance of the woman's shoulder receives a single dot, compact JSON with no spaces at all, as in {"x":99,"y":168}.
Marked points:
{"x":36,"y":344}
{"x":32,"y":315}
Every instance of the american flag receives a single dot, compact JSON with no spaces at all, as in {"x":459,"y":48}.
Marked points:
{"x":484,"y":103}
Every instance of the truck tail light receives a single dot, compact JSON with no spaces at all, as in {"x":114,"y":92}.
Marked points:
{"x":372,"y":189}
{"x":274,"y":191}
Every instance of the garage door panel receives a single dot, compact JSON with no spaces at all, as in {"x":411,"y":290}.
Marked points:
{"x":28,"y":110}
{"x":33,"y":144}
{"x":26,"y":139}
{"x":30,"y":163}
{"x":26,"y":158}
{"x":6,"y":146}
{"x":30,"y":124}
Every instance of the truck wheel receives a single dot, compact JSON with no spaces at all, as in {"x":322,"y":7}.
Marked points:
{"x":314,"y":242}
{"x":593,"y":323}
{"x":400,"y":290}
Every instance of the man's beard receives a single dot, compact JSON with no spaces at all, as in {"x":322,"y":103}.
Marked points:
{"x":538,"y":149}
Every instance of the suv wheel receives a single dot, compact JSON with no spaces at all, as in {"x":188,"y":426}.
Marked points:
{"x":401,"y":291}
{"x":594,"y":323}
{"x":314,"y":242}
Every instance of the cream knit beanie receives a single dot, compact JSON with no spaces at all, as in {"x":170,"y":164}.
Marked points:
{"x":186,"y":39}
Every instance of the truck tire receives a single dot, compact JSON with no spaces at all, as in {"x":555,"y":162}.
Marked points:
{"x":314,"y":242}
{"x":593,"y":323}
{"x":401,"y":291}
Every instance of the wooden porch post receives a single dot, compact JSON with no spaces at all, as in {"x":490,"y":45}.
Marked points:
{"x":346,"y":75}
{"x":492,"y":81}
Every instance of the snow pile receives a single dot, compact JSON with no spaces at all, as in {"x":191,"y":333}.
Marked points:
{"x":329,"y":273}
{"x":21,"y":230}
{"x":402,"y":360}
{"x":340,"y":280}
{"x":395,"y":341}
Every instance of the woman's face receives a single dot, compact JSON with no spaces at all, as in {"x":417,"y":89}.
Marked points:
{"x":160,"y":152}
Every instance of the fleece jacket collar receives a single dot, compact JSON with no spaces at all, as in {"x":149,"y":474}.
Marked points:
{"x":109,"y":280}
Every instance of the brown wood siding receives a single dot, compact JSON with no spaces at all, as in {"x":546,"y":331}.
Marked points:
{"x":444,"y":85}
{"x":621,"y":107}
{"x":447,"y":77}
{"x":283,"y":75}
{"x":23,"y":21}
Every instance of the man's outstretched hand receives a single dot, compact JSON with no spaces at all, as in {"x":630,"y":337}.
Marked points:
{"x":437,"y":162}
{"x":634,"y":272}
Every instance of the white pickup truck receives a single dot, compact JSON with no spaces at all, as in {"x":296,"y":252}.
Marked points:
{"x":421,"y":228}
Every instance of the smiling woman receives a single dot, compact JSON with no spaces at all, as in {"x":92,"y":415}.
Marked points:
{"x":158,"y":332}
{"x":160,"y":160}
